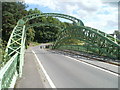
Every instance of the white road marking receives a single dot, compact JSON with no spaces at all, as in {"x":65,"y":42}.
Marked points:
{"x":93,"y":66}
{"x":44,"y":71}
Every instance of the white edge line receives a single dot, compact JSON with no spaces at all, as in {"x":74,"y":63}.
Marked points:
{"x":92,"y":66}
{"x":44,"y":71}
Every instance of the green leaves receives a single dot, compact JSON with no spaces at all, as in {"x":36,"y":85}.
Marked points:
{"x":11,"y":13}
{"x":44,"y":33}
{"x":30,"y":35}
{"x":14,"y":11}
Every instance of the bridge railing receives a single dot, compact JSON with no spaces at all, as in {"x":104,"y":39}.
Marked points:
{"x":12,"y":68}
{"x":8,"y":73}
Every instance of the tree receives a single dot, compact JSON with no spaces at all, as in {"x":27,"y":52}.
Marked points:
{"x":44,"y":33}
{"x":30,"y":34}
{"x":117,"y":33}
{"x":11,"y":13}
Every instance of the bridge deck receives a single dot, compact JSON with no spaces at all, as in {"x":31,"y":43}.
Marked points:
{"x":64,"y":71}
{"x":31,"y":76}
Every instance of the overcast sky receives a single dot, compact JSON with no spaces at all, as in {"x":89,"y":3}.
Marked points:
{"x":99,"y":14}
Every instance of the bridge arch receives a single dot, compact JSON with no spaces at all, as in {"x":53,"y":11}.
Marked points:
{"x":16,"y":40}
{"x":68,"y":17}
{"x":102,"y":43}
{"x":88,"y":35}
{"x":18,"y":35}
{"x":16,"y":45}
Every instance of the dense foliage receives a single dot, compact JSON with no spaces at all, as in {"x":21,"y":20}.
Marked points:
{"x":13,"y":11}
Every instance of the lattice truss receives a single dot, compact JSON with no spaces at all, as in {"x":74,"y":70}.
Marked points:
{"x":95,"y":40}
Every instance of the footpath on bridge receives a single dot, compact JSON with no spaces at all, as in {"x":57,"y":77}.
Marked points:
{"x":31,"y":77}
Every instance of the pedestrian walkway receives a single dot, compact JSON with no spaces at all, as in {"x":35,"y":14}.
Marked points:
{"x":31,"y":77}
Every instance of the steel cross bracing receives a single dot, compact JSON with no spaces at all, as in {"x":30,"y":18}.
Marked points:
{"x":95,"y":41}
{"x":16,"y":46}
{"x":92,"y":34}
{"x":15,"y":51}
{"x":13,"y":47}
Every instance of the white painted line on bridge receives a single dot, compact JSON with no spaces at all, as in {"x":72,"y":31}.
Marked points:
{"x":44,"y":71}
{"x":92,"y":65}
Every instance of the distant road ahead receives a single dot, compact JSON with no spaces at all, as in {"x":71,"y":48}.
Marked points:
{"x":68,"y":73}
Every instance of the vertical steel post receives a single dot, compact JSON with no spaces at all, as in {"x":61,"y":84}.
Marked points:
{"x":22,"y":52}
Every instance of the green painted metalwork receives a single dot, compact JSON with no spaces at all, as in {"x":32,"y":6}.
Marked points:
{"x":94,"y":40}
{"x":91,"y":38}
{"x":106,"y":35}
{"x":73,"y":19}
{"x":15,"y":50}
{"x":8,"y":72}
{"x":16,"y":47}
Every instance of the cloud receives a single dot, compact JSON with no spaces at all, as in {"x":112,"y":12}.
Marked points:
{"x":94,"y":13}
{"x":46,"y":3}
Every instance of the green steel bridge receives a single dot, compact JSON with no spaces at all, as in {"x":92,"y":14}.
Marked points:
{"x":94,"y":41}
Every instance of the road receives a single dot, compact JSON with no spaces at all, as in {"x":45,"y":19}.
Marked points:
{"x":68,"y":73}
